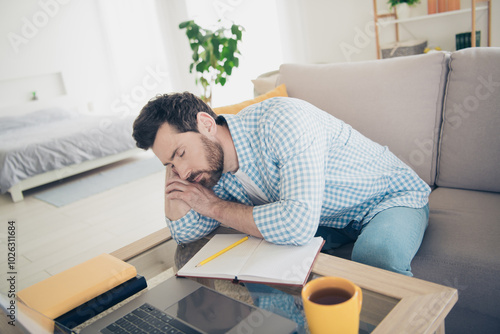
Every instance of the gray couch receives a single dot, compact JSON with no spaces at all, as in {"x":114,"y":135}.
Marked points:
{"x":440,"y":113}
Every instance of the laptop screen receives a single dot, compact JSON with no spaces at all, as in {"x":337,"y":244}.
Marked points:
{"x":209,"y":311}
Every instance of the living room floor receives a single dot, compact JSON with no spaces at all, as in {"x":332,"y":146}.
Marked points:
{"x":51,"y":239}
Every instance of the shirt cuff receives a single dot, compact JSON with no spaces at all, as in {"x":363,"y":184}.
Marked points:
{"x":180,"y":228}
{"x":191,"y":227}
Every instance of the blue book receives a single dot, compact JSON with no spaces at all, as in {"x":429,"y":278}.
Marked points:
{"x":102,"y":302}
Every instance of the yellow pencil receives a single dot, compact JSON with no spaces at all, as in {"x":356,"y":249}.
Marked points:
{"x":222,"y":251}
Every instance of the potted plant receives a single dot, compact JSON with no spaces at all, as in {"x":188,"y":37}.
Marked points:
{"x":402,"y":7}
{"x":214,"y":54}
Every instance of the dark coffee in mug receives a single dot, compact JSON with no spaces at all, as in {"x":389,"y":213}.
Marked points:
{"x":330,"y":296}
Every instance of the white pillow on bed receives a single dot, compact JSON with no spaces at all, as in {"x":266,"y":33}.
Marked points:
{"x":64,"y":102}
{"x":36,"y":118}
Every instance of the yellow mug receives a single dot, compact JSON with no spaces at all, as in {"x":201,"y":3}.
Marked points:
{"x":332,"y":305}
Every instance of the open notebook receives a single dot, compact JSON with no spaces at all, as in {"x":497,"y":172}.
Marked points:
{"x":255,"y":260}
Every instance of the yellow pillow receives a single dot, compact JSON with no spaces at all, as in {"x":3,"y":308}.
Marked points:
{"x":235,"y":108}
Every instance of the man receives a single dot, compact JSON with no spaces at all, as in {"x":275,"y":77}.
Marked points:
{"x":285,"y":171}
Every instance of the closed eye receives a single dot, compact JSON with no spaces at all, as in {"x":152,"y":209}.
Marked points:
{"x":176,"y":152}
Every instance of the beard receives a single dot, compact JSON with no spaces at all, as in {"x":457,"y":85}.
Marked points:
{"x":215,"y":157}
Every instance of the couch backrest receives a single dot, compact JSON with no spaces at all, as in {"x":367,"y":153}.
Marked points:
{"x":396,"y":102}
{"x":469,"y":153}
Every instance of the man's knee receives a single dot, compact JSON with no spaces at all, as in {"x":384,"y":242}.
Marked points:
{"x":382,"y":255}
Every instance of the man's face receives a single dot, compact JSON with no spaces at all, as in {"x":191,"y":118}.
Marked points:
{"x":192,"y":156}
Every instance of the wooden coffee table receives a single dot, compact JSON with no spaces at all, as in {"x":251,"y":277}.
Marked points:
{"x":392,"y":303}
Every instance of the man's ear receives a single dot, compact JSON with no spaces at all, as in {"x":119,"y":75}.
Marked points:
{"x":206,"y":124}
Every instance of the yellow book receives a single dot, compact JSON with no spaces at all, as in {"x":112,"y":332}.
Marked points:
{"x":69,"y":289}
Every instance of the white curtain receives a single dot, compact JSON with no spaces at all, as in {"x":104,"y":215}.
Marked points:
{"x":140,"y":50}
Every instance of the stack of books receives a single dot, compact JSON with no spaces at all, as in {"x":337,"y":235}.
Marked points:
{"x":83,"y":291}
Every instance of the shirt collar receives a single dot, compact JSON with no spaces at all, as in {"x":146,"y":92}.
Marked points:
{"x":241,"y":141}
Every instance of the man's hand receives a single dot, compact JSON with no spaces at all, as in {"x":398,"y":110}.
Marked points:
{"x":206,"y":203}
{"x":196,"y":196}
{"x":174,"y":208}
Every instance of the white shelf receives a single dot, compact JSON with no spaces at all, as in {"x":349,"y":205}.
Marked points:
{"x":384,"y":19}
{"x":431,"y":16}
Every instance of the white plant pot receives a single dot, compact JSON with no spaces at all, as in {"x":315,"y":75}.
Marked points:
{"x":403,"y":11}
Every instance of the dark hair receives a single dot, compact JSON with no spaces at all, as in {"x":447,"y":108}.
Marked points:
{"x":177,"y":109}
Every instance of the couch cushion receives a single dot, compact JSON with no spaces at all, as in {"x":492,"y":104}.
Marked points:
{"x":396,"y":102}
{"x":460,"y":249}
{"x":469,"y":155}
{"x":464,"y":227}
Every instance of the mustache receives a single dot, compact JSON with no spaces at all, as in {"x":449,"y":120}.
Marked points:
{"x":194,"y":175}
{"x":210,"y":181}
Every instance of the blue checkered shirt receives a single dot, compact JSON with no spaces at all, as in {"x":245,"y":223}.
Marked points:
{"x":314,"y":169}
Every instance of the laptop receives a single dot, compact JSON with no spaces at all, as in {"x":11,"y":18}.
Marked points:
{"x":179,"y":305}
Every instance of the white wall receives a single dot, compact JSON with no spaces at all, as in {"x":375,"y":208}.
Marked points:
{"x":112,"y":54}
{"x":62,"y":36}
{"x":135,"y":43}
{"x":320,"y":27}
{"x":76,"y":37}
{"x":324,"y":31}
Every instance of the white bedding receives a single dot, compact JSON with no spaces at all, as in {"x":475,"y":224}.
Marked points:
{"x":54,"y":138}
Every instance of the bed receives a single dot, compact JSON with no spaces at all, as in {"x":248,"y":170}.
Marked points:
{"x":49,"y":141}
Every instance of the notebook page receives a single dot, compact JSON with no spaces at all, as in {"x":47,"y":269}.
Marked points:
{"x":226,"y":265}
{"x":281,"y":263}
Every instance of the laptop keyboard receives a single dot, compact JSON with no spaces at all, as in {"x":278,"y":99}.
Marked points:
{"x":148,"y":319}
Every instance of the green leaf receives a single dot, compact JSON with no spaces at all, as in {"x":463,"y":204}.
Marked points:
{"x":225,"y":52}
{"x":204,"y":82}
{"x":192,"y":34}
{"x":232,"y":44}
{"x":184,"y":24}
{"x":201,"y":66}
{"x":216,"y":51}
{"x":235,"y":29}
{"x":228,"y":67}
{"x":207,"y":56}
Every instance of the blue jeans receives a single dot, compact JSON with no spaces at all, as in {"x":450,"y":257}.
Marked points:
{"x":389,"y":241}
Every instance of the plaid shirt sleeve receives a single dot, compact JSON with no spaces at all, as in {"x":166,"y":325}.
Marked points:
{"x":191,"y":227}
{"x":194,"y":226}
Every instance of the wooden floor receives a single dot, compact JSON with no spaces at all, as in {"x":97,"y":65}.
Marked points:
{"x":51,"y":239}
